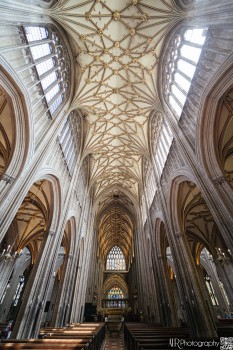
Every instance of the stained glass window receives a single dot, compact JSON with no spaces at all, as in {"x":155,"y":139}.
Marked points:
{"x":115,"y":259}
{"x":115,"y":293}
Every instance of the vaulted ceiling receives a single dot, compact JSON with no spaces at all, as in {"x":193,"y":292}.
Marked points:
{"x":116,"y":45}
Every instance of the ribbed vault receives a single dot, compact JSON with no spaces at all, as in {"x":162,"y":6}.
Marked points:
{"x":119,"y":281}
{"x":115,"y":229}
{"x":117,"y":46}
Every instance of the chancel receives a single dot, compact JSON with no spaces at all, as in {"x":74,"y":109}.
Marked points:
{"x":116,"y":173}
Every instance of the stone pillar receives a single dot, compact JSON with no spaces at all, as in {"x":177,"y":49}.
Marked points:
{"x":168,"y":301}
{"x":206,"y":292}
{"x":61,"y":306}
{"x":198,"y":314}
{"x":20,"y":264}
{"x":210,"y":267}
{"x":216,"y":203}
{"x":225,"y":272}
{"x":29,"y":318}
{"x":6,"y":268}
{"x":145,"y":275}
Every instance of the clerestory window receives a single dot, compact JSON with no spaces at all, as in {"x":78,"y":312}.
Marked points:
{"x":181,"y":66}
{"x":163,"y":146}
{"x":50,"y":61}
{"x":70,"y":140}
{"x":115,"y":259}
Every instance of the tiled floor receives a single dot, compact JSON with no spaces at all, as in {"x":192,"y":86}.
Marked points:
{"x":114,"y":342}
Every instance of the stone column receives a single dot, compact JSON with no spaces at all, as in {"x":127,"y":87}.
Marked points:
{"x":210,"y":267}
{"x":6,"y":268}
{"x":61,"y":306}
{"x":21,"y":262}
{"x":29,"y":318}
{"x":168,"y":300}
{"x":217,"y":205}
{"x":225,"y":272}
{"x":145,"y":274}
{"x":206,"y":292}
{"x":198,"y":314}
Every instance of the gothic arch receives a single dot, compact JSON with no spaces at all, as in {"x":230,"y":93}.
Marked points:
{"x":174,"y":201}
{"x":50,"y":174}
{"x":43,"y":175}
{"x":22,"y":127}
{"x":192,"y":216}
{"x":216,"y":120}
{"x":72,"y":223}
{"x":115,"y":279}
{"x":160,"y":237}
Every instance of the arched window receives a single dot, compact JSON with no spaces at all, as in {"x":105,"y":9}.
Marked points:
{"x":70,"y":140}
{"x":115,"y":293}
{"x":115,"y":259}
{"x":163,"y":146}
{"x":181,"y":65}
{"x":50,"y":65}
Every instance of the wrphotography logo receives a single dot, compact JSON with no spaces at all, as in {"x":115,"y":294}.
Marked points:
{"x":177,"y":343}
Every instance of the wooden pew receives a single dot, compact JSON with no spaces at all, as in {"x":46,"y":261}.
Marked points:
{"x":44,"y":344}
{"x":153,"y":336}
{"x":77,"y":336}
{"x":92,"y":333}
{"x":150,"y":337}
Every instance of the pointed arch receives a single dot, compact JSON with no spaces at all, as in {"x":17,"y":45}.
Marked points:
{"x":115,"y":259}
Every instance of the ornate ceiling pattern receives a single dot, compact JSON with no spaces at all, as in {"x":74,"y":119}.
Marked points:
{"x":32,"y":218}
{"x":115,"y":229}
{"x":116,"y":46}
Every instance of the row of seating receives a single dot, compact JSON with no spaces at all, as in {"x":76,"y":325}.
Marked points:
{"x":225,"y":329}
{"x":150,"y":336}
{"x":3,"y":329}
{"x":144,"y":336}
{"x":84,"y":336}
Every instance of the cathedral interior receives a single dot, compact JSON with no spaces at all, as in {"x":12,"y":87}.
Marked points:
{"x":116,"y":163}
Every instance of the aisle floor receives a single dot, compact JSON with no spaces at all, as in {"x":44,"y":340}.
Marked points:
{"x":114,"y":342}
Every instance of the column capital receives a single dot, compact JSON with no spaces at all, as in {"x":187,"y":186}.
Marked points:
{"x":7,"y":178}
{"x":179,"y":234}
{"x":51,"y":233}
{"x":220,"y":180}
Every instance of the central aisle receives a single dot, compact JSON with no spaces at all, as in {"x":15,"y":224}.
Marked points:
{"x":114,"y":342}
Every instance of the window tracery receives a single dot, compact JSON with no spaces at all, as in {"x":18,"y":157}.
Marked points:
{"x":50,"y":65}
{"x":115,"y":293}
{"x":70,"y":140}
{"x":181,"y":65}
{"x":115,"y":259}
{"x":163,"y":146}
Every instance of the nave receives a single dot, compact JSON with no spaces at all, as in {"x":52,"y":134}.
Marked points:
{"x":116,"y":168}
{"x":131,"y":336}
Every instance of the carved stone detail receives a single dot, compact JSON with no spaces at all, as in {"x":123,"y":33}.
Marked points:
{"x":7,"y":178}
{"x":220,"y":180}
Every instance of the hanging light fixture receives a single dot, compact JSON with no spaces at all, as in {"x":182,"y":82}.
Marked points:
{"x":221,"y":256}
{"x":8,"y":254}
